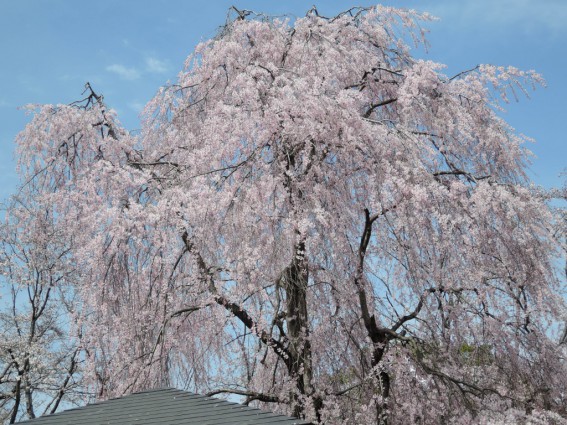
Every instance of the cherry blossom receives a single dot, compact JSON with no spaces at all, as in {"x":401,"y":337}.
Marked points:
{"x":316,"y":221}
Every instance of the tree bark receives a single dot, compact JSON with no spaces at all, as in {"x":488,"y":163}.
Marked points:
{"x":377,"y":335}
{"x":294,"y":282}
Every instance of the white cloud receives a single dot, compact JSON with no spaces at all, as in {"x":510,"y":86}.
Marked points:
{"x":156,"y":66}
{"x":124,"y":72}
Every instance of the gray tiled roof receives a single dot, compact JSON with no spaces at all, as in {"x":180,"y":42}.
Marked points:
{"x":167,"y":406}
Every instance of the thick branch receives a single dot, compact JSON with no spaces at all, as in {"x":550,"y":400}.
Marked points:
{"x":412,"y":315}
{"x":358,"y":280}
{"x":264,"y":336}
{"x":378,"y":105}
{"x":460,"y":74}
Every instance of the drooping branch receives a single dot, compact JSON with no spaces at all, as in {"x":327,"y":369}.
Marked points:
{"x":237,"y":311}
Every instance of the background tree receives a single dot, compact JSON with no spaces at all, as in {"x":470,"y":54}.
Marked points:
{"x":39,"y":351}
{"x":314,"y":219}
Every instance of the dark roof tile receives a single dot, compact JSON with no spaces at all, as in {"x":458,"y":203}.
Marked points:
{"x":166,"y":406}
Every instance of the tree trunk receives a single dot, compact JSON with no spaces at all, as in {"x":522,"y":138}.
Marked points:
{"x":380,"y":341}
{"x":294,"y":282}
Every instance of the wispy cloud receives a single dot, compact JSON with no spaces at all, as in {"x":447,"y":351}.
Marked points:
{"x":152,"y":66}
{"x":156,"y":66}
{"x":124,"y":72}
{"x":82,"y":78}
{"x":136,"y":106}
{"x":529,"y":15}
{"x":30,"y":84}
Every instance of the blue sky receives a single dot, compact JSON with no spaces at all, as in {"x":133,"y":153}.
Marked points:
{"x":126,"y":49}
